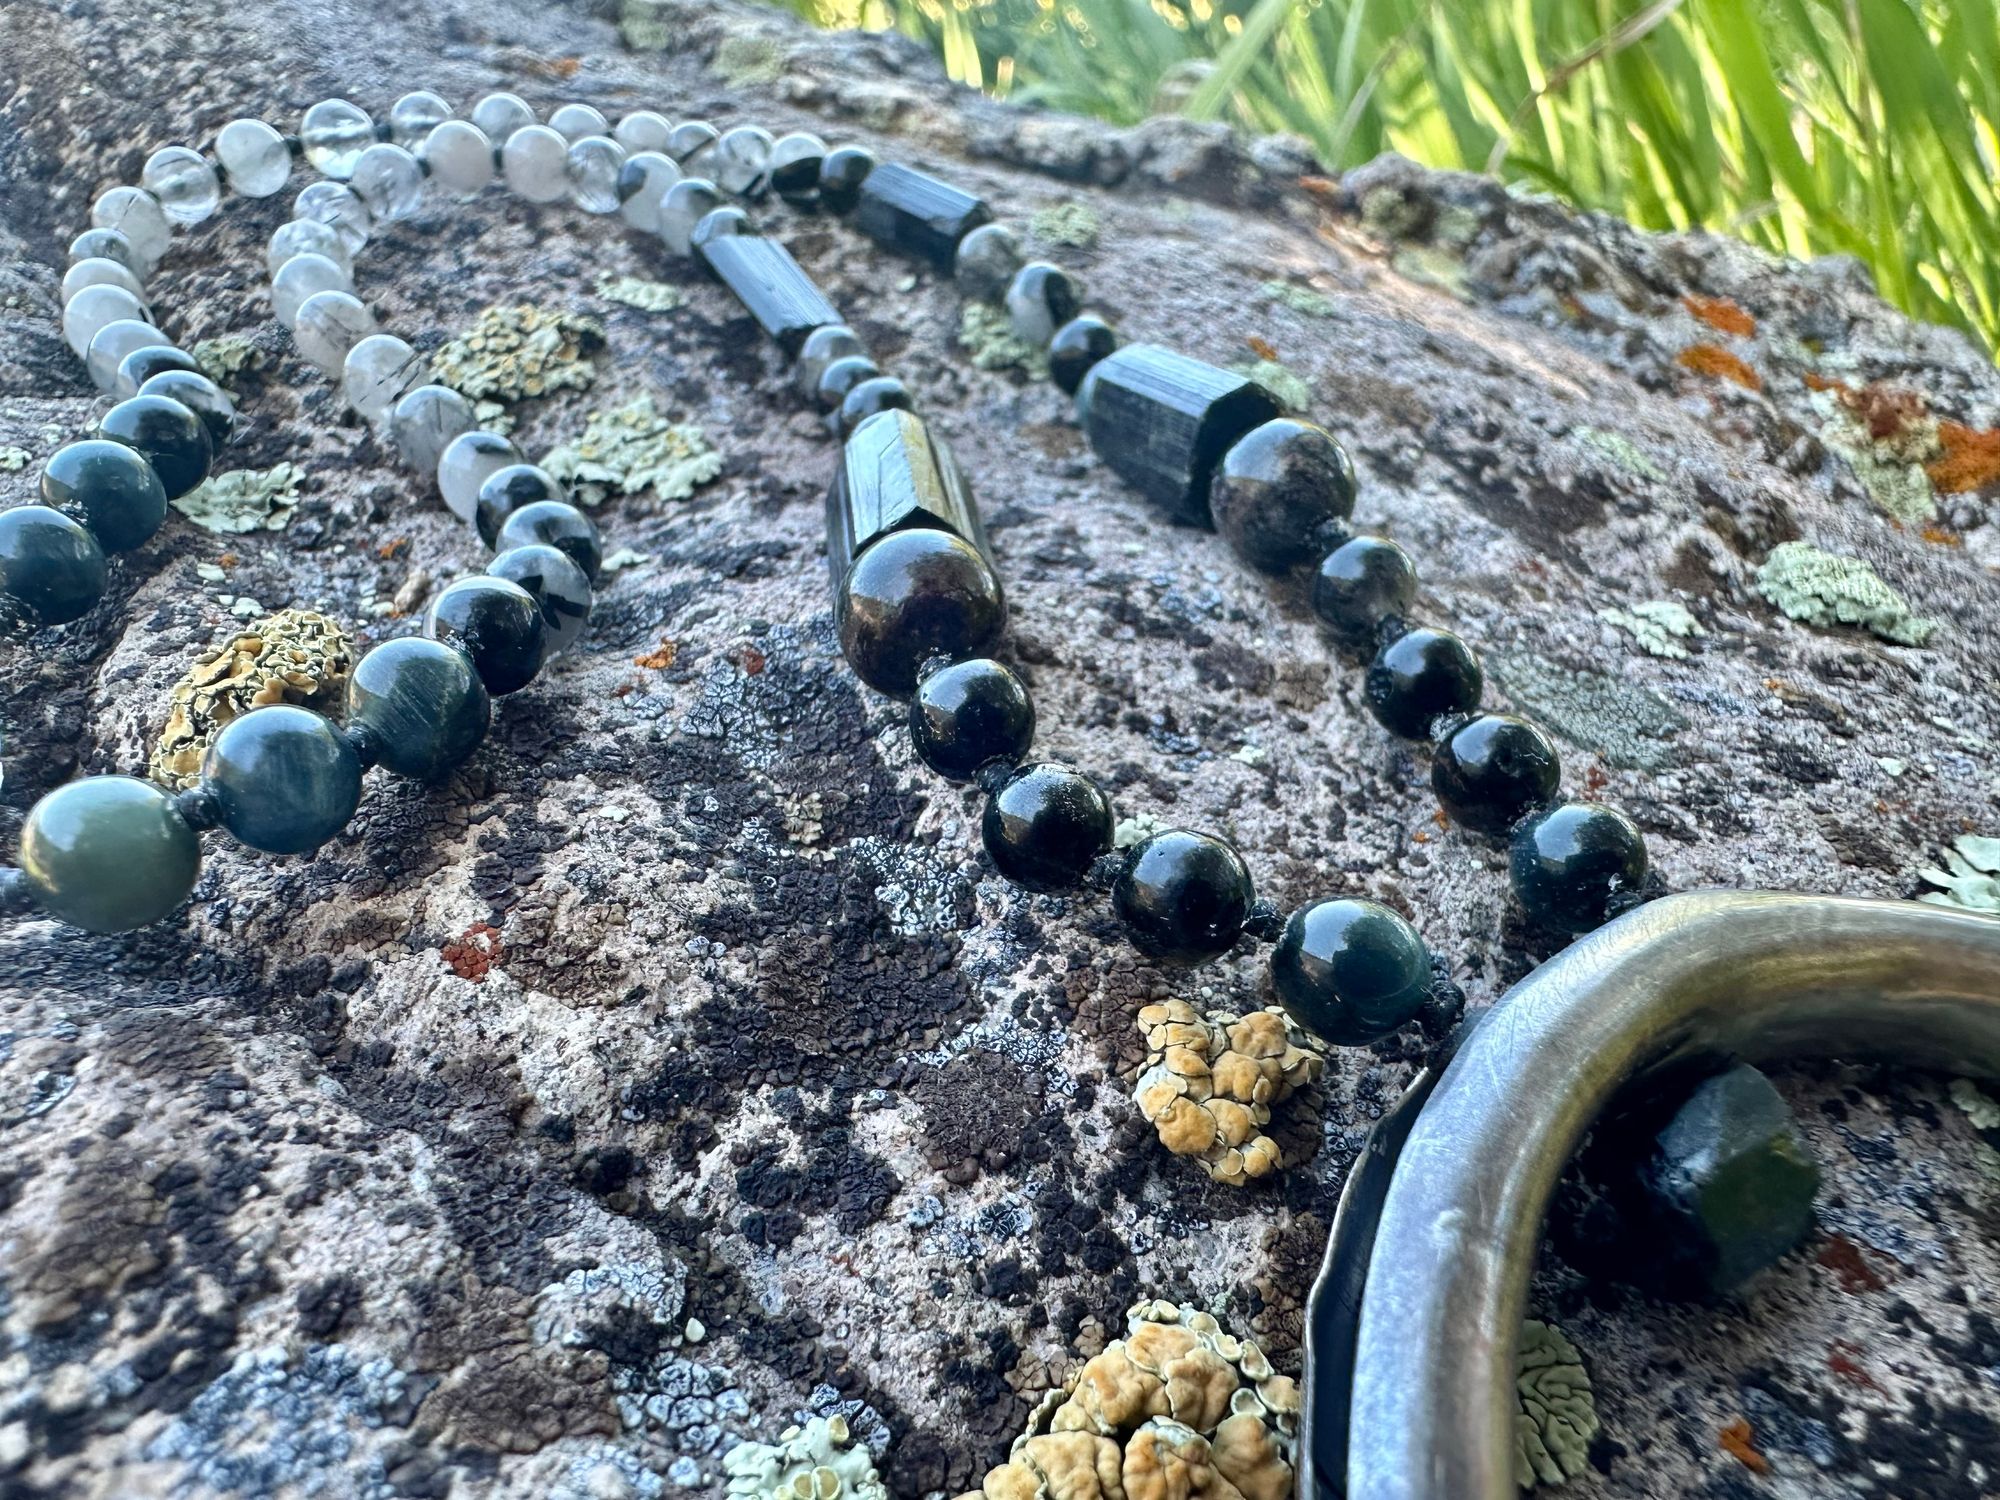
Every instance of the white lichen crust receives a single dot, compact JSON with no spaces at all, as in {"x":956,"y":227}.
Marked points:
{"x":819,"y":1461}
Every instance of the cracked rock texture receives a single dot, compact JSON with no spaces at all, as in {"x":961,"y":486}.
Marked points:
{"x":679,"y":1068}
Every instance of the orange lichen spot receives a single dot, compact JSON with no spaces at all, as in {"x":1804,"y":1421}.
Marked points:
{"x":1720,"y":314}
{"x":1595,"y":780}
{"x":1843,"y":1257}
{"x":1262,"y":348}
{"x":1885,"y":411}
{"x":1971,"y":459}
{"x":1320,"y":187}
{"x":1421,"y":836}
{"x":1718,"y":364}
{"x":1841,"y":1359}
{"x":228,"y":560}
{"x":660,"y":659}
{"x":475,"y":952}
{"x":394,"y":547}
{"x":623,"y":688}
{"x":1941,"y":537}
{"x":753,"y":661}
{"x":564,"y":68}
{"x":1735,"y":1441}
{"x":1438,"y":817}
{"x":1823,"y":383}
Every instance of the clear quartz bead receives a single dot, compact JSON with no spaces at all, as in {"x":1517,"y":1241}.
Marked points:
{"x":575,"y":121}
{"x":692,"y":144}
{"x":329,"y":324}
{"x":305,"y":276}
{"x":498,"y":116}
{"x":337,"y":206}
{"x":687,"y":203}
{"x":92,"y":308}
{"x":389,"y":181}
{"x":535,"y":162}
{"x":100,"y":270}
{"x":307,"y":237}
{"x":460,"y":158}
{"x":376,"y":372}
{"x":424,"y":423}
{"x":184,"y":183}
{"x":643,"y":130}
{"x":334,"y":134}
{"x":108,"y":244}
{"x":742,"y":157}
{"x":464,"y":466}
{"x":594,"y":164}
{"x":642,"y":184}
{"x":415,"y":116}
{"x":986,"y":262}
{"x":113,"y":342}
{"x":794,"y":166}
{"x":134,"y":213}
{"x":254,"y":158}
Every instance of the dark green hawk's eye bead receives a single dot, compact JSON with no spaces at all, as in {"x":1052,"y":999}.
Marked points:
{"x":1492,"y":769}
{"x":555,"y":582}
{"x":141,"y":365}
{"x":1362,"y":583}
{"x":111,"y":487}
{"x":109,"y":853}
{"x":284,"y":779}
{"x":420,"y":704}
{"x":1567,"y":864}
{"x":497,"y":624}
{"x":199,"y":395}
{"x":1419,"y":676}
{"x":1183,"y":896}
{"x":557,"y":524}
{"x":1276,"y":488}
{"x":174,"y":440}
{"x":1350,"y":971}
{"x":1046,"y":825}
{"x":968,"y":715}
{"x":913,"y":595}
{"x":51,"y":569}
{"x":507,"y":490}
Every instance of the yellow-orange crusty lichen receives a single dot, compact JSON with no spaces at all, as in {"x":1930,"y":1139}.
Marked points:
{"x":1718,"y":364}
{"x":1210,"y":1081}
{"x":1720,"y":314}
{"x":1970,"y":462}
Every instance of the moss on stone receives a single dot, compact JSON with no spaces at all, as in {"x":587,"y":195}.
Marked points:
{"x":1290,"y":389}
{"x":1558,"y":1414}
{"x":520,"y":350}
{"x":632,"y":448}
{"x":983,"y":331}
{"x":244,"y":499}
{"x":1075,"y":225}
{"x":1822,"y":589}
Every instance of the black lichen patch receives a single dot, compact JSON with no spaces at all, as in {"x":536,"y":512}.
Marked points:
{"x":977,"y":1110}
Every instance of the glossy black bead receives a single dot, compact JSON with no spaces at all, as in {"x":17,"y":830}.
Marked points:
{"x":969,"y":715}
{"x":283,"y":779}
{"x":1276,"y":488}
{"x":1420,"y":675}
{"x":868,"y":399}
{"x":841,"y":174}
{"x":1077,"y":345}
{"x":558,"y":524}
{"x":1492,"y":769}
{"x":915,"y":213}
{"x":1350,"y":971}
{"x":418,"y":706}
{"x":553,"y":581}
{"x":51,"y":568}
{"x":497,"y":624}
{"x":1045,"y":826}
{"x":141,"y":365}
{"x":111,"y":488}
{"x":894,"y":473}
{"x":507,"y":490}
{"x":1568,"y":862}
{"x":175,"y":441}
{"x":1183,"y":896}
{"x":199,"y":395}
{"x":771,"y":286}
{"x":916,"y":594}
{"x":842,"y":376}
{"x":1360,"y":584}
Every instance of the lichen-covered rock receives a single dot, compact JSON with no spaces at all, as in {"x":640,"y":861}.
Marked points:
{"x":1211,"y":1082}
{"x":1823,"y":589}
{"x":518,"y":350}
{"x":241,"y":500}
{"x":1558,"y":1417}
{"x":1970,"y":877}
{"x":632,"y":448}
{"x":818,"y":1461}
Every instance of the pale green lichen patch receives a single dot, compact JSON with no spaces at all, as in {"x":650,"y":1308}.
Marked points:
{"x":1626,"y":722}
{"x":1822,"y":589}
{"x":1970,"y":878}
{"x":632,"y":448}
{"x":1658,"y":625}
{"x":1136,"y":829}
{"x":244,"y":499}
{"x":1433,"y":266}
{"x":1558,"y":1415}
{"x":744,"y":61}
{"x":1616,"y":448}
{"x":223,"y":358}
{"x":520,"y":350}
{"x":1890,"y":470}
{"x":1288,"y":388}
{"x":636,"y":291}
{"x":1075,"y":225}
{"x":1977,"y":1104}
{"x":819,"y":1461}
{"x":984,"y":332}
{"x":13,"y":460}
{"x":1301,"y":299}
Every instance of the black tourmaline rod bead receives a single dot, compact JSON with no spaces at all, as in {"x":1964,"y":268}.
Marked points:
{"x":913,"y":212}
{"x":1162,"y":421}
{"x":769,"y":283}
{"x":893,"y":475}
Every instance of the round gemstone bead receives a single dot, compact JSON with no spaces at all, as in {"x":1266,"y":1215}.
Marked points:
{"x":424,"y":423}
{"x":136,"y":214}
{"x":555,"y":583}
{"x":882,"y":393}
{"x":1040,"y":299}
{"x":686,"y":204}
{"x":110,"y":488}
{"x":594,"y":165}
{"x":107,"y":244}
{"x":415,"y":116}
{"x":913,"y":595}
{"x":1350,"y":972}
{"x":1360,"y":584}
{"x":1183,"y":896}
{"x":498,"y":116}
{"x":334,"y":133}
{"x":1568,"y":862}
{"x":376,"y":372}
{"x":1045,"y":825}
{"x":1492,"y":769}
{"x":742,"y":157}
{"x":305,"y":276}
{"x":644,"y":130}
{"x":497,"y":624}
{"x":51,"y":568}
{"x":340,"y":208}
{"x":284,"y":779}
{"x":464,"y":466}
{"x":173,"y":439}
{"x":109,"y":853}
{"x":100,"y":270}
{"x":420,"y":705}
{"x":141,"y":365}
{"x":460,"y":158}
{"x":1419,"y":676}
{"x":968,"y":715}
{"x":113,"y":342}
{"x":840,"y":377}
{"x":718,"y":222}
{"x":95,"y":307}
{"x":692,"y":145}
{"x":507,"y":490}
{"x":254,"y":158}
{"x":307,"y":237}
{"x":643,"y":184}
{"x":184,"y":183}
{"x":1276,"y":487}
{"x":573,"y":122}
{"x":794,"y":167}
{"x":328,"y":325}
{"x":535,"y":163}
{"x":822,"y":347}
{"x":841,"y":176}
{"x":988,"y":260}
{"x":1077,"y":346}
{"x":389,"y":181}
{"x":553,"y":523}
{"x":199,"y":395}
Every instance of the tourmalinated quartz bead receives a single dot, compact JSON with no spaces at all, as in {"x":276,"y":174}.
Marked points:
{"x":108,"y":853}
{"x":573,"y":122}
{"x":916,"y":214}
{"x":100,"y":270}
{"x":1567,"y":862}
{"x":913,"y":595}
{"x":644,"y":130}
{"x":498,"y":116}
{"x":284,"y":779}
{"x":305,"y":276}
{"x":389,"y":181}
{"x":741,"y":159}
{"x":136,"y":214}
{"x":199,"y":395}
{"x":376,"y":372}
{"x":415,"y":116}
{"x":821,"y":348}
{"x":969,"y":715}
{"x":1077,"y":347}
{"x":1419,"y":677}
{"x":183,"y":182}
{"x":1040,"y":299}
{"x":466,"y":463}
{"x":1275,"y":490}
{"x":868,"y":399}
{"x":593,"y":165}
{"x":773,"y":290}
{"x":142,"y":364}
{"x":94,"y":308}
{"x":1350,"y":972}
{"x":307,"y":237}
{"x":254,"y":158}
{"x":497,"y":624}
{"x":1360,"y":584}
{"x":1161,"y":422}
{"x":535,"y":163}
{"x":108,"y":244}
{"x":553,"y":523}
{"x":329,"y":324}
{"x":693,"y":145}
{"x":460,"y":158}
{"x":643,"y":184}
{"x":507,"y":490}
{"x":424,"y":423}
{"x":1183,"y":896}
{"x":340,"y":208}
{"x":420,"y":706}
{"x":987,"y":261}
{"x":51,"y":568}
{"x":555,"y":582}
{"x":841,"y":175}
{"x":894,"y":474}
{"x":334,"y":133}
{"x":793,"y":169}
{"x":173,"y":439}
{"x":686,"y":204}
{"x":842,"y":376}
{"x":110,"y":488}
{"x":1492,"y":769}
{"x":1045,"y":826}
{"x":113,"y":342}
{"x":714,"y":225}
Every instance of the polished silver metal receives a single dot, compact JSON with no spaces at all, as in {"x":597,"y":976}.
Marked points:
{"x":1751,"y":975}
